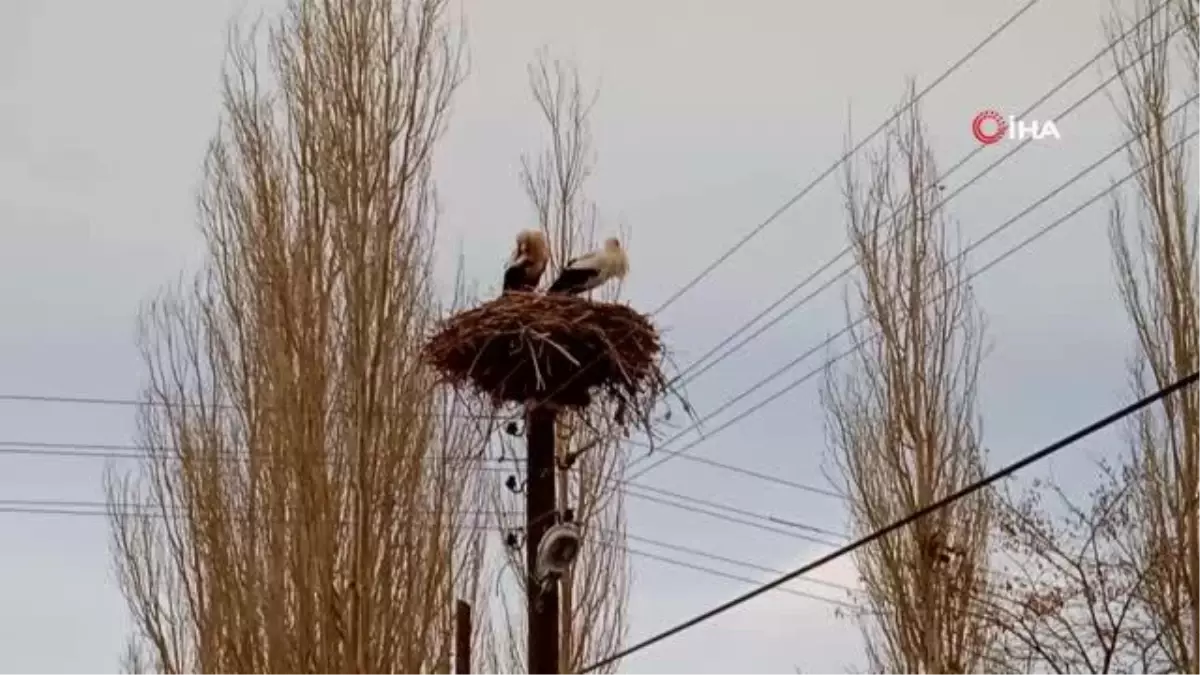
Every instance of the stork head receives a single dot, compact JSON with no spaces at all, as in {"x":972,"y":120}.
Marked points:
{"x":532,"y":244}
{"x":618,"y":263}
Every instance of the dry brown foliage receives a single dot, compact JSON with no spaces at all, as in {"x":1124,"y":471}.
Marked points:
{"x":902,"y":420}
{"x":1154,"y":249}
{"x":559,"y":349}
{"x":310,"y":506}
{"x":1068,"y":598}
{"x":594,"y":594}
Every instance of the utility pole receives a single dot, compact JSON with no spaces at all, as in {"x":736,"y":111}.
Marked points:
{"x":541,"y":505}
{"x":462,"y":637}
{"x":566,"y":596}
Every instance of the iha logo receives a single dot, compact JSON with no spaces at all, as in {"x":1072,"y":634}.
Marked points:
{"x":989,"y":126}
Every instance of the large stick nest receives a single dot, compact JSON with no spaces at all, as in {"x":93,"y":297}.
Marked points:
{"x":559,"y":349}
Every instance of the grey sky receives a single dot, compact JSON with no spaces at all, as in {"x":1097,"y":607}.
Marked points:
{"x":710,"y":116}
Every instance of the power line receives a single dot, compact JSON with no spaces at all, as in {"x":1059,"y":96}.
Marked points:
{"x":729,"y":253}
{"x":734,"y":561}
{"x":847,"y":270}
{"x":683,"y":376}
{"x":813,"y":184}
{"x":16,"y":397}
{"x":133,"y":402}
{"x":810,"y":374}
{"x":749,"y":473}
{"x":840,"y":537}
{"x":789,"y":529}
{"x":734,"y":577}
{"x":720,"y":506}
{"x":54,"y":507}
{"x":828,"y":341}
{"x":134,"y":452}
{"x":1023,"y":244}
{"x":754,"y":232}
{"x":720,"y":511}
{"x":730,"y":519}
{"x":100,"y":451}
{"x":916,"y":515}
{"x":842,"y":160}
{"x":84,"y":400}
{"x":773,"y":524}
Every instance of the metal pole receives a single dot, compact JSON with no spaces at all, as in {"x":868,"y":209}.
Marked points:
{"x":462,"y":637}
{"x":540,"y":505}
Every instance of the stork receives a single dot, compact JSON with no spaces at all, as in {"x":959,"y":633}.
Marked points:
{"x":591,"y":270}
{"x":528,"y":261}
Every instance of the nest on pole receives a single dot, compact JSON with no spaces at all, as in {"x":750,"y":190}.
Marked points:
{"x":559,"y":349}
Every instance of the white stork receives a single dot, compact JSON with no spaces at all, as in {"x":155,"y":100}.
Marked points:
{"x":528,"y":261}
{"x":586,"y":272}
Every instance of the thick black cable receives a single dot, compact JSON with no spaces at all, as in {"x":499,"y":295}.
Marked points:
{"x":1001,"y":474}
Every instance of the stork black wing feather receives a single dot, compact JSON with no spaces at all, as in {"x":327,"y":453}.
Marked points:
{"x":514,"y":278}
{"x":571,"y":280}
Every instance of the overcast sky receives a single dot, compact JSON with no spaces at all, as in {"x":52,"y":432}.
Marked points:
{"x":711,"y":115}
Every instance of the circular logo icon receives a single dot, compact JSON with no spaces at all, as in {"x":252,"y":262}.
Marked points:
{"x":988,"y":127}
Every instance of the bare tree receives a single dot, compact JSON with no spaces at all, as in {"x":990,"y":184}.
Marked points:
{"x":311,"y":501}
{"x":1066,"y":598}
{"x":1154,"y":249}
{"x":594,"y":593}
{"x":902,"y":420}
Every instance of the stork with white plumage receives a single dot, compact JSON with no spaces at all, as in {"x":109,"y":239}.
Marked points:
{"x":592,"y":270}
